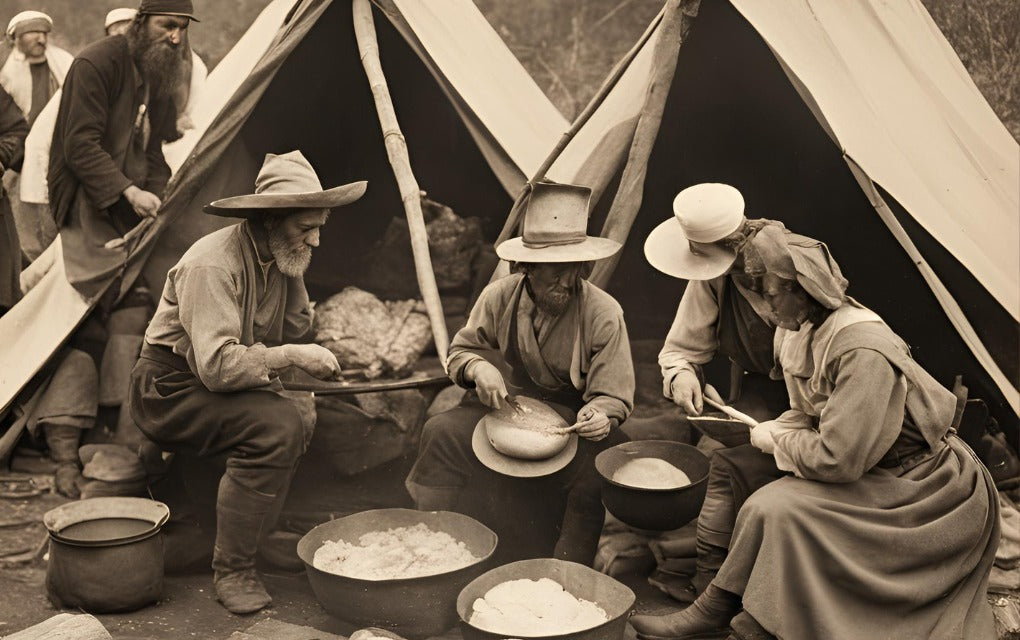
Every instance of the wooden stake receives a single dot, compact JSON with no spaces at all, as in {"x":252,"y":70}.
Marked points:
{"x":514,"y":218}
{"x":410,"y":193}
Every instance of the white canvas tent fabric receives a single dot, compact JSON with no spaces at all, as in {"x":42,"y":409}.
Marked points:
{"x":888,"y":89}
{"x":511,"y":121}
{"x":904,"y":108}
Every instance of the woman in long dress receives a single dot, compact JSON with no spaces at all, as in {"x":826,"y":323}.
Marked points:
{"x":887,"y":524}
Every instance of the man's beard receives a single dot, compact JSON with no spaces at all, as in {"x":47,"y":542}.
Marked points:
{"x":291,"y":261}
{"x":553,"y":303}
{"x":161,"y":64}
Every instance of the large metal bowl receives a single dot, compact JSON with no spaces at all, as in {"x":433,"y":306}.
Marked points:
{"x":654,"y":509}
{"x":411,"y":607}
{"x":615,"y":598}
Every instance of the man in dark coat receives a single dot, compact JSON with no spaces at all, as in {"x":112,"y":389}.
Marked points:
{"x":107,"y":170}
{"x":107,"y":175}
{"x":13,"y":130}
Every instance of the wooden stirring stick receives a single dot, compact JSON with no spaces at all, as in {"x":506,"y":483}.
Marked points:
{"x":731,"y":412}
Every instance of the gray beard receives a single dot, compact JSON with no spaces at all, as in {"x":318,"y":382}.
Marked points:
{"x":291,"y":262}
{"x":553,"y":305}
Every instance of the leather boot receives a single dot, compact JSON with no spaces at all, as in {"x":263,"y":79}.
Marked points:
{"x":278,"y":549}
{"x":240,"y":515}
{"x":62,"y":440}
{"x":708,"y":617}
{"x":710,"y":559}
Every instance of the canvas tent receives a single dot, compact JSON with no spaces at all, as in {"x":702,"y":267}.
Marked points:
{"x":852,"y":122}
{"x":474,"y":121}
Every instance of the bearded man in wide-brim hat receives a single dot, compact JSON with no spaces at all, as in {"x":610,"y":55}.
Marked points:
{"x":563,"y":341}
{"x":233,"y":314}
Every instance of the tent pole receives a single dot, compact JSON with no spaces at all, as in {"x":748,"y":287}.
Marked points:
{"x":410,"y":193}
{"x":516,"y":211}
{"x":679,"y":16}
{"x":942,"y":294}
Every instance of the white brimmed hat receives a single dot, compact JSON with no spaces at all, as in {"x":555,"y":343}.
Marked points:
{"x":286,"y":181}
{"x":119,"y":15}
{"x":702,"y":213}
{"x":555,"y":228}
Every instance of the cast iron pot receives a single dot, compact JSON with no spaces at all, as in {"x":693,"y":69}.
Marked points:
{"x":411,"y":607}
{"x":106,"y":554}
{"x":654,"y":509}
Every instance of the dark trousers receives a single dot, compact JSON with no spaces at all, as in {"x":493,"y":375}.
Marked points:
{"x":558,"y":515}
{"x":259,"y":433}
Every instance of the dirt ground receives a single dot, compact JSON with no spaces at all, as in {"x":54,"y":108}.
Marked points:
{"x":187,"y":608}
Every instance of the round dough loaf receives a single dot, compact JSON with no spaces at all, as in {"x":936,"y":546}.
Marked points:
{"x":650,"y":473}
{"x":529,"y":434}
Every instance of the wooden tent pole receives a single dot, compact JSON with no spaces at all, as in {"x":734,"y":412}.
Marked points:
{"x":516,"y":211}
{"x":946,"y":300}
{"x":410,"y":194}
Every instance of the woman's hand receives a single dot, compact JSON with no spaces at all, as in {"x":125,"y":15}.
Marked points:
{"x":761,"y":436}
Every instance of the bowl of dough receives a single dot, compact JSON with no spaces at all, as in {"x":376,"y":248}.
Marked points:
{"x":544,"y":598}
{"x":658,"y":485}
{"x":530,"y":431}
{"x":396,"y":569}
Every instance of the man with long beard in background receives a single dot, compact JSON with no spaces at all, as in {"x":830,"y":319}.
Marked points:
{"x":234,"y":313}
{"x":106,"y":175}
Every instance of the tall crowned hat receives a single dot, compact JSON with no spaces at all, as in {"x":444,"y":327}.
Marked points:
{"x":286,"y":181}
{"x":555,"y":228}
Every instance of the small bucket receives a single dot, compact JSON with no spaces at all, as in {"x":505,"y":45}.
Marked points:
{"x":106,"y":554}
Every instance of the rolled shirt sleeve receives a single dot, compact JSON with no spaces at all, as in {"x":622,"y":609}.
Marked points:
{"x":692,"y":339}
{"x":208,"y":306}
{"x":857,"y":426}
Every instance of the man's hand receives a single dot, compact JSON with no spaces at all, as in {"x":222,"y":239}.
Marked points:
{"x":686,"y":390}
{"x":489,"y":384}
{"x":761,"y":436}
{"x":592,"y":423}
{"x":316,"y":360}
{"x":144,"y":203}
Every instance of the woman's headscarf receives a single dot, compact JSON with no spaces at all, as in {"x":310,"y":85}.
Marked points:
{"x":795,"y":257}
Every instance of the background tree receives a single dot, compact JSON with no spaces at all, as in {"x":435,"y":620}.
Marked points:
{"x":569,"y":46}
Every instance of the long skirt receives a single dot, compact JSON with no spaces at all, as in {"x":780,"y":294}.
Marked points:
{"x":900,"y":553}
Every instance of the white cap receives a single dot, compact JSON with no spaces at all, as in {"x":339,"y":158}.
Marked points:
{"x":28,"y":16}
{"x":119,"y":15}
{"x":709,"y":211}
{"x":702,"y":213}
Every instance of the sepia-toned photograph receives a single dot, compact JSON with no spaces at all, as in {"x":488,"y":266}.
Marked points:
{"x":510,"y":320}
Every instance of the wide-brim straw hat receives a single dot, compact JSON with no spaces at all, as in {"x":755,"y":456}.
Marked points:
{"x":517,"y":467}
{"x":286,"y":181}
{"x":554,"y":229}
{"x":703,"y":213}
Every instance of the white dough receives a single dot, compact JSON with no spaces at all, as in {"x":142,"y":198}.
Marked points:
{"x":534,"y":608}
{"x":650,"y":473}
